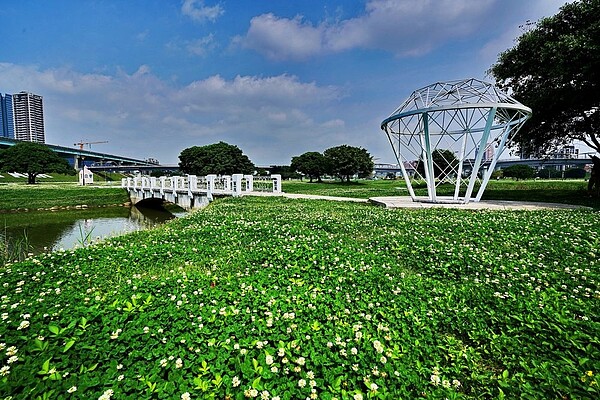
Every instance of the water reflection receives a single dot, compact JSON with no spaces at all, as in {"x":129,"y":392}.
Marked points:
{"x":68,"y":229}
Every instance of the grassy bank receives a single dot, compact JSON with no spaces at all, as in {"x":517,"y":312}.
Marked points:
{"x":552,"y":191}
{"x":33,"y":197}
{"x":284,"y":299}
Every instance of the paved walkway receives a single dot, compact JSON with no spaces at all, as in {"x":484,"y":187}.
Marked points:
{"x":406,"y":202}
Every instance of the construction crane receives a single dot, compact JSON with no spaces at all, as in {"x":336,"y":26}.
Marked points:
{"x":82,"y":143}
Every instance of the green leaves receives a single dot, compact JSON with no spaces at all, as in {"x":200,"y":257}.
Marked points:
{"x":339,"y":298}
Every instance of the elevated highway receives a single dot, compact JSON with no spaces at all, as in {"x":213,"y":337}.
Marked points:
{"x":78,"y":157}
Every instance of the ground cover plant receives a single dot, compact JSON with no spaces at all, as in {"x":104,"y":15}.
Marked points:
{"x":290,"y":299}
{"x":552,"y":191}
{"x":32,"y":197}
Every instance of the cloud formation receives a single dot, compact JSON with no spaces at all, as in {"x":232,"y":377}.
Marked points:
{"x":196,"y":10}
{"x":408,"y":27}
{"x":141,"y":114}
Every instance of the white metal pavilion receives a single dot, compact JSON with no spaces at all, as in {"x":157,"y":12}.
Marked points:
{"x":471,"y":118}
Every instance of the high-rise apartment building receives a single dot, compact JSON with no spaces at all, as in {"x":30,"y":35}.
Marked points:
{"x":7,"y":123}
{"x":28,"y":114}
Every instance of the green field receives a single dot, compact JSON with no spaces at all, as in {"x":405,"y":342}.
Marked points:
{"x":288,"y":299}
{"x":552,"y":191}
{"x":33,"y":197}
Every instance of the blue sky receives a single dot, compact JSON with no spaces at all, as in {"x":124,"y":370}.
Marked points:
{"x":276,"y":78}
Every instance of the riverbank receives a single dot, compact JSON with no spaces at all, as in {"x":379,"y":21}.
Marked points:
{"x":62,"y":196}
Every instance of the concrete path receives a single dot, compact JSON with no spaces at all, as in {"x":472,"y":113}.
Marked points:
{"x":406,"y":202}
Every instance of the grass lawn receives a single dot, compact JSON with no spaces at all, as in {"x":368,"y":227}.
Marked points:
{"x":286,"y":299}
{"x":552,"y":191}
{"x":46,"y":195}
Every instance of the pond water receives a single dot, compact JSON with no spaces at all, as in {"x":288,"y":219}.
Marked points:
{"x":65,"y":229}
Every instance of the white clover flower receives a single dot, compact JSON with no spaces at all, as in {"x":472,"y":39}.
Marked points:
{"x":354,"y":351}
{"x":120,"y":377}
{"x":178,"y":363}
{"x":456,"y":383}
{"x":185,"y":396}
{"x":23,"y":325}
{"x":120,"y":366}
{"x":146,"y":329}
{"x":373,"y":386}
{"x":106,"y":395}
{"x":235,"y":382}
{"x":243,"y":351}
{"x":300,"y":361}
{"x":4,"y":370}
{"x":358,"y":396}
{"x":310,"y":375}
{"x":163,"y":362}
{"x":435,"y":379}
{"x":383,"y":359}
{"x":2,"y":346}
{"x":274,"y":369}
{"x":11,"y":351}
{"x":265,"y":395}
{"x":280,"y":352}
{"x":312,"y":383}
{"x":72,"y":389}
{"x":446,"y":383}
{"x":12,"y":359}
{"x":269,"y":359}
{"x":302,"y":383}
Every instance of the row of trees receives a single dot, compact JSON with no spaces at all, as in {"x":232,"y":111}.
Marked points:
{"x":342,"y":161}
{"x":225,"y":159}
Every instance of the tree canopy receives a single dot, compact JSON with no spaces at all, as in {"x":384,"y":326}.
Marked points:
{"x":519,"y":171}
{"x":444,"y":163}
{"x":33,"y":159}
{"x":313,"y":164}
{"x":345,"y":161}
{"x":218,"y":158}
{"x":554,"y":68}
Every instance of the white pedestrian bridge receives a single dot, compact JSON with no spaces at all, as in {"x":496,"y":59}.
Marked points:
{"x":192,"y":192}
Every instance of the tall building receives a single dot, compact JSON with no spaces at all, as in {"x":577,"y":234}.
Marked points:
{"x":28,"y":117}
{"x":7,"y":123}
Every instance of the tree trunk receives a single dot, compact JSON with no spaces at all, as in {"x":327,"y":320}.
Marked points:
{"x":31,"y":179}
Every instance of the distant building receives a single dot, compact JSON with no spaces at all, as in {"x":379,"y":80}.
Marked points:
{"x":7,"y":123}
{"x":28,"y":114}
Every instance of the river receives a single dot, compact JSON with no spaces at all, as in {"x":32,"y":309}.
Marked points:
{"x":45,"y":231}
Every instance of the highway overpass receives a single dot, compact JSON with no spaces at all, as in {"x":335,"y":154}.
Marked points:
{"x":78,"y":157}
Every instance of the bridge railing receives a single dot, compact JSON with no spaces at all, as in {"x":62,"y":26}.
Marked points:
{"x":236,"y":184}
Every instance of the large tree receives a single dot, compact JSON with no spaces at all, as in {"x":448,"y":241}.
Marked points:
{"x":554,"y":68}
{"x":345,"y":161}
{"x":33,"y":159}
{"x":444,"y":163}
{"x":313,"y":164}
{"x":218,"y":158}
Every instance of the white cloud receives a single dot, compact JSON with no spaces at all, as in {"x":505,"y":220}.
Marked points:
{"x":196,"y":10}
{"x":202,"y":46}
{"x":270,"y":118}
{"x":407,"y":27}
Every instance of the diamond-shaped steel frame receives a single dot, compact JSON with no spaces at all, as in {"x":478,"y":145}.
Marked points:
{"x":469,"y":117}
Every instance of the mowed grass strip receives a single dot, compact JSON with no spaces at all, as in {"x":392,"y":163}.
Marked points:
{"x":32,"y":197}
{"x":287,"y":299}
